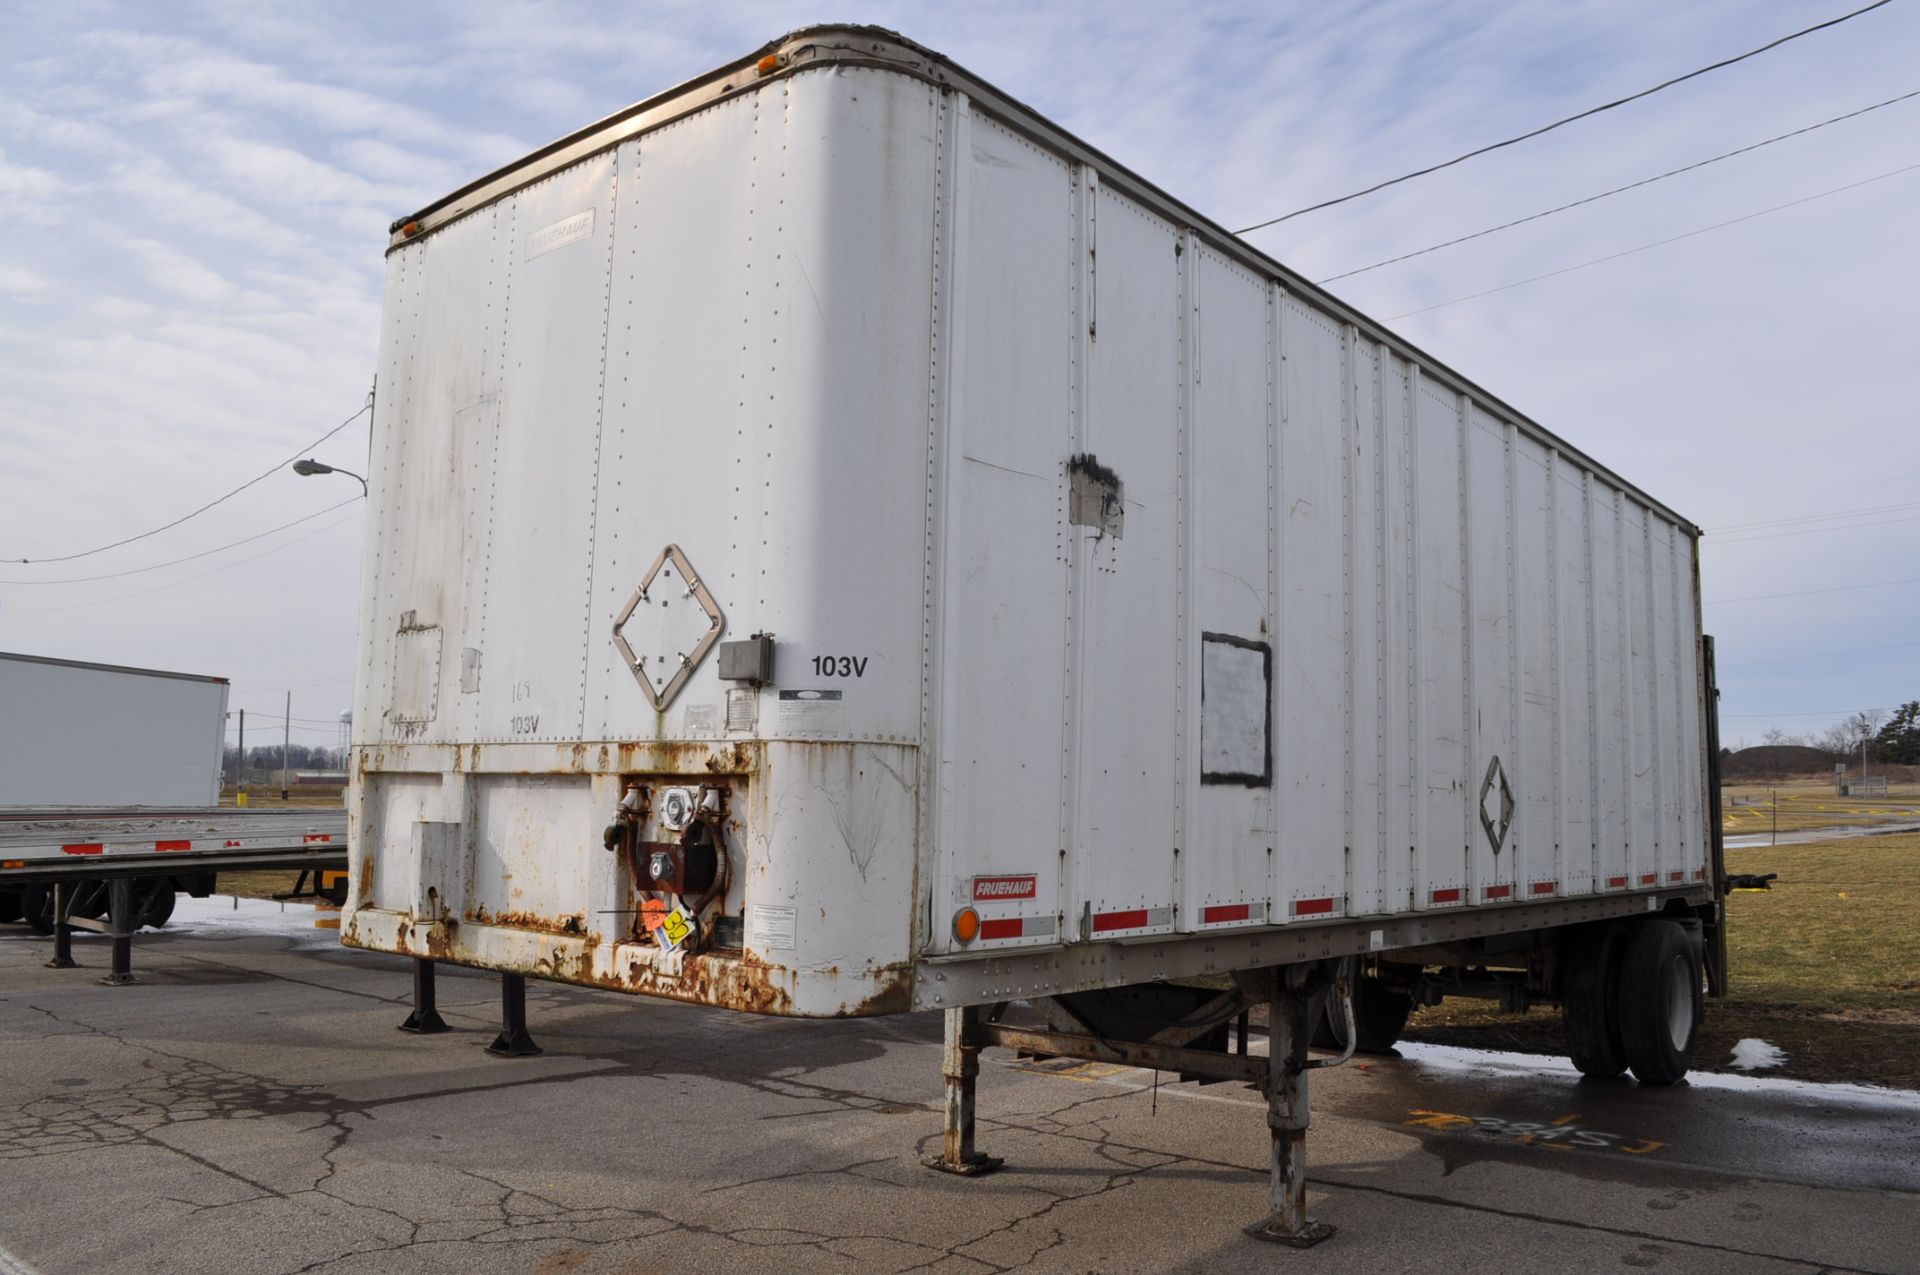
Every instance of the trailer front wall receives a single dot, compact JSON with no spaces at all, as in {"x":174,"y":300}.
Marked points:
{"x":713,"y":336}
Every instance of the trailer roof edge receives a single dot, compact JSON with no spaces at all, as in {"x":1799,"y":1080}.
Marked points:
{"x":110,"y":668}
{"x":840,"y":44}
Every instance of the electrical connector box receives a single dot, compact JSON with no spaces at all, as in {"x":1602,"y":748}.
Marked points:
{"x":748,"y":660}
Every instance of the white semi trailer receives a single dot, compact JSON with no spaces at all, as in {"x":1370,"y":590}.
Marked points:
{"x":75,"y":734}
{"x":843,"y":546}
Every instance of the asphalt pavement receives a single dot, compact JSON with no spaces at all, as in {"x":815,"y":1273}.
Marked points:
{"x":248,"y":1106}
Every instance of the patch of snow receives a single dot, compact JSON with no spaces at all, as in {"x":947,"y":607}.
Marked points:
{"x":223,"y":916}
{"x":1756,"y":1055}
{"x":1497,"y":1063}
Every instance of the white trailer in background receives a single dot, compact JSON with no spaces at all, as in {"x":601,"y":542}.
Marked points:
{"x":110,"y":801}
{"x":843,"y":546}
{"x":74,"y":734}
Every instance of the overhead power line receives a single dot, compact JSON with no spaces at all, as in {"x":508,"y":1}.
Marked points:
{"x":1833,"y":712}
{"x":1562,"y":123}
{"x":288,"y":686}
{"x":1617,"y":190}
{"x":1658,"y":243}
{"x":87,"y":553}
{"x":1807,"y":593}
{"x":174,"y":584}
{"x":1861,"y":512}
{"x":204,"y":553}
{"x":1824,"y":655}
{"x":1807,"y":531}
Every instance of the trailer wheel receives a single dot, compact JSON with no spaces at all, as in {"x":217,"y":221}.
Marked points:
{"x":36,"y":907}
{"x":1660,"y":1001}
{"x":158,"y":906}
{"x":1589,"y":998}
{"x":10,"y":906}
{"x":152,"y":901}
{"x":1379,"y":1016}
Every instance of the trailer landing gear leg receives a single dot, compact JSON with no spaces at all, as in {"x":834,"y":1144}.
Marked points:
{"x":1288,"y":1031}
{"x":120,"y":910}
{"x":425,"y":1020}
{"x":62,"y":933}
{"x":513,"y":1040}
{"x":960,"y":1061}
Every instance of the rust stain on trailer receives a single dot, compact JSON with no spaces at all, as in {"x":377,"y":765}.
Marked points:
{"x":574,"y":923}
{"x":729,"y":979}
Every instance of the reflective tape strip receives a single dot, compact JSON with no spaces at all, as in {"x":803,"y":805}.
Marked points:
{"x":172,"y":845}
{"x":1676,"y":876}
{"x":1220,"y":912}
{"x":1650,"y":878}
{"x":1017,"y":927}
{"x":1313,"y":907}
{"x":1616,"y":883}
{"x":1449,"y":895}
{"x":1496,"y":892}
{"x":1131,"y":919}
{"x":312,"y":837}
{"x":1545,"y":887}
{"x":1699,"y":874}
{"x":87,"y":847}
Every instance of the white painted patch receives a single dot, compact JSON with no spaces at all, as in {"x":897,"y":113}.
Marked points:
{"x":561,"y":233}
{"x":1756,"y":1055}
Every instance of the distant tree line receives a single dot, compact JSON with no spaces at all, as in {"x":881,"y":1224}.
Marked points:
{"x":266,"y":758}
{"x":1889,"y":739}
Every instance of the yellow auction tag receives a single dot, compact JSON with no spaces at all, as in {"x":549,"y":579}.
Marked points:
{"x":675,"y":928}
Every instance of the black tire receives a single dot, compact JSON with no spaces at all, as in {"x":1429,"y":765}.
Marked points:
{"x":152,"y":901}
{"x":36,"y":907}
{"x":1379,"y":1017}
{"x":1589,"y":1002}
{"x":159,"y":903}
{"x":1660,"y":1001}
{"x":10,"y":906}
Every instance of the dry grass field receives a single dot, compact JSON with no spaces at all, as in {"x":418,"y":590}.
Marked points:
{"x":1801,"y":804}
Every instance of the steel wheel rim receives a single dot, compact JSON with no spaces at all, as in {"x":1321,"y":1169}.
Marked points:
{"x":1679,"y":1001}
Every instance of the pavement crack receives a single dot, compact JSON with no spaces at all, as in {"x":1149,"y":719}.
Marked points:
{"x":847,"y":1169}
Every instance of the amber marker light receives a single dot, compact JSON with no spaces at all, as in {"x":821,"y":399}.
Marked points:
{"x":966,"y":925}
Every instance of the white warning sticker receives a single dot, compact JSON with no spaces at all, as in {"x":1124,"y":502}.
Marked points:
{"x":770,"y":929}
{"x":809,"y":709}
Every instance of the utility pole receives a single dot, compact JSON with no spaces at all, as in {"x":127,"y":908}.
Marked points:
{"x":240,"y":767}
{"x":286,"y":747}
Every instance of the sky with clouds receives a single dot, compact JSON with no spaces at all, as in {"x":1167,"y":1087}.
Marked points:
{"x":194,"y":200}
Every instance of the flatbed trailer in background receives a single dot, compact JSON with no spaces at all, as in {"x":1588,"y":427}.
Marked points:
{"x":840,"y":545}
{"x":116,"y":871}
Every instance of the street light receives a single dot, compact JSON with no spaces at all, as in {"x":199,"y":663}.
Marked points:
{"x":309,"y":467}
